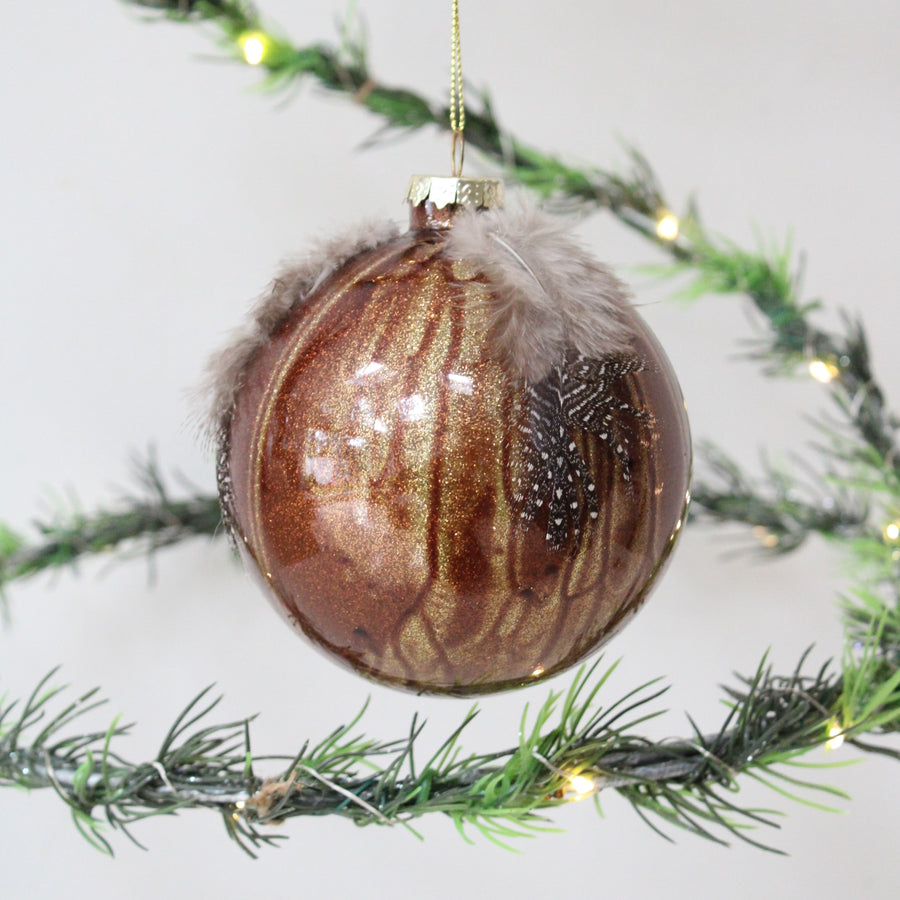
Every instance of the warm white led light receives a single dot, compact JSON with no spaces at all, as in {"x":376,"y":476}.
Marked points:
{"x":892,"y":531}
{"x":254,"y":49}
{"x":835,"y":736}
{"x":822,"y":371}
{"x":765,"y":537}
{"x":581,"y":785}
{"x":667,"y":227}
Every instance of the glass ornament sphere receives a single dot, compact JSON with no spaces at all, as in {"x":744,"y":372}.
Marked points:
{"x":377,"y":468}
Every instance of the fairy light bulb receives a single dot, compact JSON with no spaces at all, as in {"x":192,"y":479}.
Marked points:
{"x":891,"y":531}
{"x":667,"y":226}
{"x":254,"y":48}
{"x":835,"y":735}
{"x":823,"y":371}
{"x":581,"y":785}
{"x":765,"y":537}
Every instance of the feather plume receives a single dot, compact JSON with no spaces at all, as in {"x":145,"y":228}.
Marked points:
{"x":549,"y":294}
{"x":297,"y":280}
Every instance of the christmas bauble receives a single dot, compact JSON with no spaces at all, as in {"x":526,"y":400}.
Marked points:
{"x":457,"y":457}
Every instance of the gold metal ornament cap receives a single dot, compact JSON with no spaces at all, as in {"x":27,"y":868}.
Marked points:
{"x":446,"y":190}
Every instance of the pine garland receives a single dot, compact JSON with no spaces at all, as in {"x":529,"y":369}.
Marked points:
{"x":142,"y":523}
{"x":577,"y":744}
{"x":590,"y":748}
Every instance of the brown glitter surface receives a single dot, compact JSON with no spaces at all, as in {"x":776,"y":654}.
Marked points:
{"x":371,"y":452}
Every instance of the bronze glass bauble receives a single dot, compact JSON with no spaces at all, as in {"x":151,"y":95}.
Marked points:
{"x":376,"y":455}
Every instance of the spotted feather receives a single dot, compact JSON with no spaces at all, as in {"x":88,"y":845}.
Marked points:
{"x":575,"y":396}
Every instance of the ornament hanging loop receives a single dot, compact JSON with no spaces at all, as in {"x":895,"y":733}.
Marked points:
{"x":457,"y":102}
{"x":457,"y":148}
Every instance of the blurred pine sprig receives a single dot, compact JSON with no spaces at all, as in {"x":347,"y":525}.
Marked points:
{"x":140,"y":522}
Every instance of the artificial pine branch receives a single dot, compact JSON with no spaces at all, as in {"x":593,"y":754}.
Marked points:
{"x":139,"y":523}
{"x":501,"y":794}
{"x":782,"y":510}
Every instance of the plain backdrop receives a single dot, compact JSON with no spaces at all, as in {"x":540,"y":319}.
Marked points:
{"x":148,"y":192}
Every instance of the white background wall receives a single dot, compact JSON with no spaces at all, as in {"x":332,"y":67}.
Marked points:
{"x":149,"y":192}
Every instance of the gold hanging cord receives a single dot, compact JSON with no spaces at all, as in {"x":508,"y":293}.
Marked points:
{"x":457,"y":104}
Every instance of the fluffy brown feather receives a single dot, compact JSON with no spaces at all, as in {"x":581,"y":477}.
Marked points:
{"x":224,"y":374}
{"x":549,"y":294}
